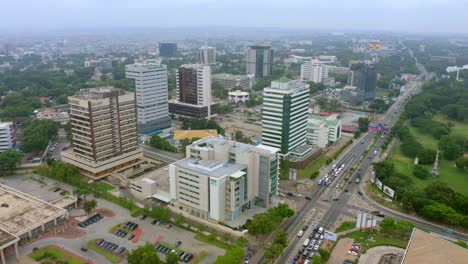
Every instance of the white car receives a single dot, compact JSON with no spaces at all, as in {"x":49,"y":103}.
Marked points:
{"x":321,"y":237}
{"x":316,"y":247}
{"x":300,"y":233}
{"x":307,"y":262}
{"x":306,"y":242}
{"x":320,"y":230}
{"x":352,"y":253}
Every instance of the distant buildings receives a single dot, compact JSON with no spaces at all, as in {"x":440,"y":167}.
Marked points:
{"x":230,"y":82}
{"x":221,"y":178}
{"x":238,"y":97}
{"x":323,"y":131}
{"x":54,"y":115}
{"x":104,"y":131}
{"x":284,"y":118}
{"x":365,"y":45}
{"x":167,"y":49}
{"x":151,"y":91}
{"x":364,"y":77}
{"x":259,"y":60}
{"x":207,"y":55}
{"x":104,"y":64}
{"x":193,"y":91}
{"x":314,"y":70}
{"x":7,"y":136}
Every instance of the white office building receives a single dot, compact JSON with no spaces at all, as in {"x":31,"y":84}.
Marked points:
{"x":284,"y":118}
{"x":323,"y":131}
{"x":220,"y":179}
{"x":151,"y":92}
{"x":314,"y":70}
{"x":7,"y":136}
{"x":239,"y":97}
{"x":207,"y":55}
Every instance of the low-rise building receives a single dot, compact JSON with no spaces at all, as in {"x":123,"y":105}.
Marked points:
{"x":239,"y":97}
{"x":193,"y":134}
{"x":323,"y":131}
{"x":220,"y":179}
{"x":7,"y":136}
{"x":54,"y":115}
{"x":230,"y":81}
{"x":143,"y":187}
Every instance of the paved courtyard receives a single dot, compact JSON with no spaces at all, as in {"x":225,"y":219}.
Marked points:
{"x":43,"y":189}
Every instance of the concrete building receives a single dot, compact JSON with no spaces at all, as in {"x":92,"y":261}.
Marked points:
{"x":104,"y":131}
{"x":143,"y":187}
{"x":323,"y":131}
{"x":207,"y":55}
{"x":193,"y":91}
{"x":7,"y":136}
{"x":167,"y":49}
{"x":231,"y":82}
{"x":314,"y":70}
{"x":259,"y":60}
{"x":54,"y":115}
{"x":23,"y":217}
{"x":284,"y":118}
{"x":220,"y":179}
{"x":151,"y":90}
{"x":363,"y":76}
{"x":104,"y":63}
{"x":238,"y":97}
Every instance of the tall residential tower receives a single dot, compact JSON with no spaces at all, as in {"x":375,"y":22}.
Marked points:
{"x":151,"y":90}
{"x":207,"y":55}
{"x":259,"y":60}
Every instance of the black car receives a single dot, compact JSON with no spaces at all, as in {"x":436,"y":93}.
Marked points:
{"x":308,"y":198}
{"x":304,"y":228}
{"x":316,"y":229}
{"x":346,"y":190}
{"x":188,"y":258}
{"x":154,"y":222}
{"x":178,"y":243}
{"x":143,"y":217}
{"x":84,"y":249}
{"x":311,"y":236}
{"x":131,"y":236}
{"x":359,"y":192}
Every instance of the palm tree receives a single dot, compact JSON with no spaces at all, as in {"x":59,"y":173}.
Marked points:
{"x":89,"y":206}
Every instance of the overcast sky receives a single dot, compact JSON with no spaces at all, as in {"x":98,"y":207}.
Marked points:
{"x":395,"y":15}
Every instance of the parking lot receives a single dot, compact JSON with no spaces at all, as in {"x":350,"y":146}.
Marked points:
{"x":43,"y":188}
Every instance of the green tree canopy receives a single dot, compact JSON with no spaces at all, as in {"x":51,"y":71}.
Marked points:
{"x":145,"y":254}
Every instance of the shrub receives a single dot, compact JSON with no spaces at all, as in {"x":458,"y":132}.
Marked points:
{"x":420,"y":172}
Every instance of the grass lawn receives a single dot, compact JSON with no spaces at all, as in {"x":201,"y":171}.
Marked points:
{"x":313,"y":167}
{"x":458,"y":127}
{"x":347,"y":225}
{"x":382,"y":92}
{"x":104,"y":187}
{"x":215,"y":243}
{"x":112,"y":258}
{"x":372,"y":238}
{"x":200,"y":258}
{"x":425,"y":139}
{"x":56,"y":254}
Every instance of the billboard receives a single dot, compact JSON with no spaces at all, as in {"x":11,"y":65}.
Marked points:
{"x":330,"y":236}
{"x":372,"y":177}
{"x":388,"y":191}
{"x":378,"y":127}
{"x":378,"y":183}
{"x":292,"y":174}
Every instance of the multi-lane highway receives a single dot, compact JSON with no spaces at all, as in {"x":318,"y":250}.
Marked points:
{"x":337,"y":199}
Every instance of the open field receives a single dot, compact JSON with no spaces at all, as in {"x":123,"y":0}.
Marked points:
{"x":458,"y":128}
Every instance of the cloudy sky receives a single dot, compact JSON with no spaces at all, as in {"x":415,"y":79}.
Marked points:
{"x":395,"y":15}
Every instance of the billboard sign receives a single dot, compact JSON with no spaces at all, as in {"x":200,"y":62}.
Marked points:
{"x":388,"y":191}
{"x":372,"y":177}
{"x":330,"y":236}
{"x":379,"y":184}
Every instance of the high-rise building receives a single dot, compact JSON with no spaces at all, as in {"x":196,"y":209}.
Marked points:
{"x":364,"y":77}
{"x":151,"y":90}
{"x":232,"y":82}
{"x":323,"y":131}
{"x":314,"y":70}
{"x":167,"y":49}
{"x":259,"y":60}
{"x":207,"y":55}
{"x":220,"y":179}
{"x":284,"y":118}
{"x":104,"y":131}
{"x":7,"y":136}
{"x":193,"y":91}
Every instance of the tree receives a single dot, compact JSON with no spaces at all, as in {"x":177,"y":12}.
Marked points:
{"x":357,"y":133}
{"x":462,"y":163}
{"x":387,"y":224}
{"x":79,"y":192}
{"x":420,"y":172}
{"x":427,"y":156}
{"x":363,"y":124}
{"x":410,"y":147}
{"x":146,"y":254}
{"x":213,"y":235}
{"x":218,"y":90}
{"x":179,"y":219}
{"x":234,"y":255}
{"x":9,"y":159}
{"x":273,"y":251}
{"x":317,"y":260}
{"x":159,"y":143}
{"x":172,"y":258}
{"x":324,"y":254}
{"x":89,"y":206}
{"x":281,"y":238}
{"x":37,"y":133}
{"x":239,"y":135}
{"x":452,"y":147}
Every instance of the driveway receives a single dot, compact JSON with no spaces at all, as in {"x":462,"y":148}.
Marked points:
{"x":374,"y":254}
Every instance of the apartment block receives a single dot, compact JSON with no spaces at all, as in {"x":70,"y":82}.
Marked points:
{"x":314,"y":70}
{"x":207,"y":55}
{"x":104,"y":131}
{"x":284,"y":118}
{"x":7,"y":136}
{"x":151,"y":90}
{"x":323,"y":131}
{"x":220,"y":179}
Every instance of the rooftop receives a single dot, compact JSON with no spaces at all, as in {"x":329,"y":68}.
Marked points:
{"x":212,"y":168}
{"x":426,"y":248}
{"x":191,"y":134}
{"x":98,"y":93}
{"x":20,"y":211}
{"x":144,"y":66}
{"x":229,"y":76}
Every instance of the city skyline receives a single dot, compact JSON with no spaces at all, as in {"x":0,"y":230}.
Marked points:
{"x":404,"y":16}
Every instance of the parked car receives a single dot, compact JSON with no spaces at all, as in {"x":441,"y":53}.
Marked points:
{"x":300,"y":233}
{"x":178,"y":243}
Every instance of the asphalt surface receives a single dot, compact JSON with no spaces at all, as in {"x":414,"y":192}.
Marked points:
{"x":164,"y":156}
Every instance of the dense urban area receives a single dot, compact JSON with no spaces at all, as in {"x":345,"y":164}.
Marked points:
{"x":234,"y":147}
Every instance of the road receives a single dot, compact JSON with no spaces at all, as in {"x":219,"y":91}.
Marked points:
{"x":354,"y":157}
{"x":164,"y":156}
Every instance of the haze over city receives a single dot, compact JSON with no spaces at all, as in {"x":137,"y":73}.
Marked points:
{"x":429,"y":16}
